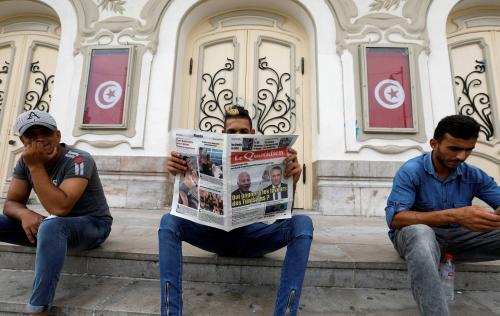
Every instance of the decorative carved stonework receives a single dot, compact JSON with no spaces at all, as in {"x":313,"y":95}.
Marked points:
{"x":388,"y":5}
{"x":380,"y":26}
{"x":122,"y":30}
{"x":112,"y":5}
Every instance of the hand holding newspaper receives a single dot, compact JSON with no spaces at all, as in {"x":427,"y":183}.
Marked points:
{"x":232,"y":180}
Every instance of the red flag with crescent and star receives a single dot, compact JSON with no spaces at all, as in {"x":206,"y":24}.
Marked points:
{"x":104,"y":103}
{"x":389,"y":88}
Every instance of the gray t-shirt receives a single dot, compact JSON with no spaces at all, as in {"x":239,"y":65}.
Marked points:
{"x":75,"y":163}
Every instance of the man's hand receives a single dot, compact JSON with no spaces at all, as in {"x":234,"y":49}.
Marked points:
{"x":35,"y":154}
{"x":477,"y":218}
{"x":293,"y":167}
{"x":30,"y":222}
{"x":175,"y":164}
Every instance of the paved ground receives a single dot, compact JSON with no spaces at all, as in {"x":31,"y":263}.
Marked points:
{"x":85,"y":295}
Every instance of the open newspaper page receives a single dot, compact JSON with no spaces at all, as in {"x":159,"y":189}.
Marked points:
{"x":232,"y":180}
{"x":259,"y":191}
{"x":199,"y":193}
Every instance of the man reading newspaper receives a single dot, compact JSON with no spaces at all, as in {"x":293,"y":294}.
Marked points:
{"x":253,"y":240}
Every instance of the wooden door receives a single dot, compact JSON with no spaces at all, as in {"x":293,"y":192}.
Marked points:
{"x":27,"y":66}
{"x":259,"y":66}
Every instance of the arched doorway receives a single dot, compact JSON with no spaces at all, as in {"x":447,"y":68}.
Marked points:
{"x":28,"y":56}
{"x":473,"y":30}
{"x":255,"y":58}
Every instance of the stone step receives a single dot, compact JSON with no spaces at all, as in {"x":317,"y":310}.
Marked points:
{"x":347,"y":252}
{"x":90,"y":295}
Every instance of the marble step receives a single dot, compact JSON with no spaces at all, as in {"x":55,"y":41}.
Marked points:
{"x":347,"y":252}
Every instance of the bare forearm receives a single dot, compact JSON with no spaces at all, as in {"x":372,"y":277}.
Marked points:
{"x":15,"y":209}
{"x":53,"y":199}
{"x":434,"y":218}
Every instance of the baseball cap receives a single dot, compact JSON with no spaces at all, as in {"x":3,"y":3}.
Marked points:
{"x":34,"y":117}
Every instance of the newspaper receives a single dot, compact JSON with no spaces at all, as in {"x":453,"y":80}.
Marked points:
{"x":232,"y":180}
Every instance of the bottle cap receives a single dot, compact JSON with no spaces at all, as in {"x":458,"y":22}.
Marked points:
{"x":448,"y":256}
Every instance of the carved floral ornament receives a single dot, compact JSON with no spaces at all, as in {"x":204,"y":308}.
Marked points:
{"x":381,"y":22}
{"x":377,"y":5}
{"x":112,"y":5}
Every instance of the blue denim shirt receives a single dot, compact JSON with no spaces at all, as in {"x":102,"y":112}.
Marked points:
{"x":417,"y":187}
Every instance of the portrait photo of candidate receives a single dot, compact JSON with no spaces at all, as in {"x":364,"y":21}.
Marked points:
{"x":244,"y":182}
{"x":277,"y":190}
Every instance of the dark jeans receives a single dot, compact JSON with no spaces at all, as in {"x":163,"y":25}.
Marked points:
{"x":421,"y":246}
{"x":55,"y":236}
{"x":254,"y":240}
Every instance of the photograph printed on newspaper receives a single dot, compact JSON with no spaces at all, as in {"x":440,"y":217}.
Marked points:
{"x":232,"y":180}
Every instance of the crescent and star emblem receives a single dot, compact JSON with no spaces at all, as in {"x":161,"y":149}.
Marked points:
{"x":108,"y":94}
{"x":389,"y":94}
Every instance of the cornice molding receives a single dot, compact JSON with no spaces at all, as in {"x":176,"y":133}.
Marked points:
{"x":31,"y":23}
{"x":482,"y":17}
{"x":101,"y":143}
{"x":392,"y":149}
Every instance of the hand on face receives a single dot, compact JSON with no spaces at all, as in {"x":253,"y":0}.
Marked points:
{"x":38,"y":152}
{"x":293,"y":167}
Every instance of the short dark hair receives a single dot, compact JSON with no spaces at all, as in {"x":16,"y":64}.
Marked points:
{"x":458,"y":126}
{"x":277,"y":168}
{"x":237,"y":112}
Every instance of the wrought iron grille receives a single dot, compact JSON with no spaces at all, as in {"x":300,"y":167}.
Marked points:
{"x":275,"y":109}
{"x":40,"y":98}
{"x":3,"y":71}
{"x":214,"y":103}
{"x":476,"y":105}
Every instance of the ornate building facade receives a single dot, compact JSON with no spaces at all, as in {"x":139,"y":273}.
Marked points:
{"x":362,"y":82}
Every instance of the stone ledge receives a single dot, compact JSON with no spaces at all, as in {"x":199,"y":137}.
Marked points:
{"x":355,"y":169}
{"x":347,"y":252}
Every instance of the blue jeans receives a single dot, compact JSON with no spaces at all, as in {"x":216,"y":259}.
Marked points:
{"x":421,"y":246}
{"x":254,"y":240}
{"x":55,"y":236}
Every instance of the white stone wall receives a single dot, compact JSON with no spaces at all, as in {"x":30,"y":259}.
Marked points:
{"x":332,"y":83}
{"x":332,"y":105}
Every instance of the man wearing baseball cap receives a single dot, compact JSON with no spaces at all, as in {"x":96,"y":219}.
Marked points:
{"x":68,"y":187}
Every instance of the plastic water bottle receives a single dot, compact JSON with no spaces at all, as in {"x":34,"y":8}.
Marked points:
{"x":447,"y":271}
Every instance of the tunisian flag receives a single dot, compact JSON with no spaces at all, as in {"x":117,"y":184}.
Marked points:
{"x":105,"y":99}
{"x":389,"y":88}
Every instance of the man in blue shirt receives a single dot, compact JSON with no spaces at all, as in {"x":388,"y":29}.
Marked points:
{"x":430,"y":211}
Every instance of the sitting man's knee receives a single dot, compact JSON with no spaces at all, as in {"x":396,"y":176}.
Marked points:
{"x":302,"y":226}
{"x":420,"y":235}
{"x":170,"y":222}
{"x":50,"y":229}
{"x":418,"y":230}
